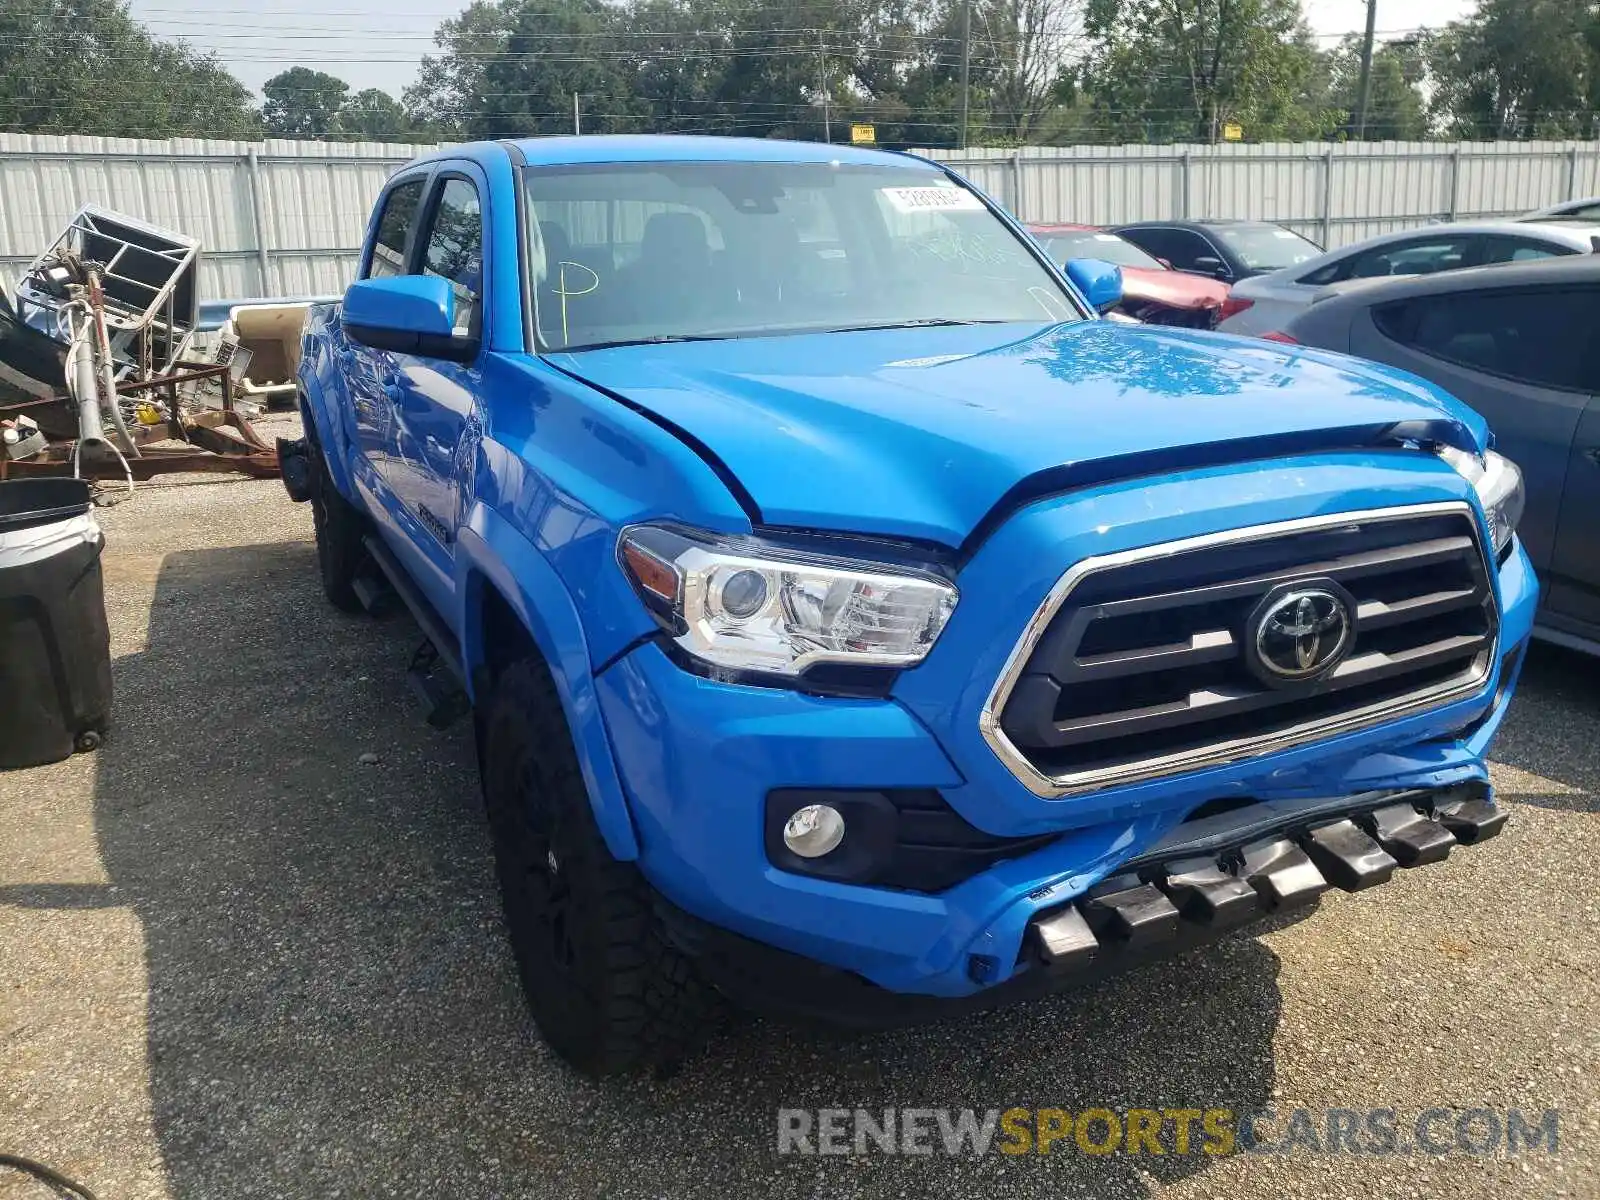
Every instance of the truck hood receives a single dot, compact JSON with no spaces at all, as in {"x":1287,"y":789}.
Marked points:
{"x":919,"y":433}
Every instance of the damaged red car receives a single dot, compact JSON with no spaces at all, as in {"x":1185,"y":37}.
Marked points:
{"x":1152,"y":291}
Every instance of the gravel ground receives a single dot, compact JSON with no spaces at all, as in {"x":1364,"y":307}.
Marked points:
{"x":235,"y":961}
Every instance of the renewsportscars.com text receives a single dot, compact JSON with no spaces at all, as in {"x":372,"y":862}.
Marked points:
{"x":1162,"y":1131}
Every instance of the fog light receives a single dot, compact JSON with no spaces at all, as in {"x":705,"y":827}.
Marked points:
{"x":814,"y":830}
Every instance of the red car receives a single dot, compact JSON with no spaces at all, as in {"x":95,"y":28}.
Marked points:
{"x":1151,"y":290}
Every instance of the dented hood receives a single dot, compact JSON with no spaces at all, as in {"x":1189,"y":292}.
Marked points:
{"x":918,"y":433}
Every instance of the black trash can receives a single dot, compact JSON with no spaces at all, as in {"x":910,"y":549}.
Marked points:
{"x":55,"y":648}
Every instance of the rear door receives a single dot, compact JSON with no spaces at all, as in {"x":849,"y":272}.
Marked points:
{"x":1513,"y":354}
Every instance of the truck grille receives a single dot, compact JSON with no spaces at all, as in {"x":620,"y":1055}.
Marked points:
{"x":1150,"y":662}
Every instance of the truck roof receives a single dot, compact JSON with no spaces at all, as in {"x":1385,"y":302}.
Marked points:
{"x":619,"y":148}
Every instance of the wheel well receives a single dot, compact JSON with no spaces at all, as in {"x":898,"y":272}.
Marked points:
{"x":503,"y":636}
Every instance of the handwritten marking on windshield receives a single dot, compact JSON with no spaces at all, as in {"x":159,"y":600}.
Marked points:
{"x":565,"y":294}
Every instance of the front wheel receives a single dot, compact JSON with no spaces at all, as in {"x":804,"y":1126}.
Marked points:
{"x":607,"y":991}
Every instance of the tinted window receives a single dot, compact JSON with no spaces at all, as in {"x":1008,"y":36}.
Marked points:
{"x":1419,"y":256}
{"x":1064,"y":247}
{"x":1538,"y":336}
{"x":1266,"y":247}
{"x":623,"y":252}
{"x":399,"y":214}
{"x":1179,"y":247}
{"x":1502,"y":248}
{"x":455,"y":250}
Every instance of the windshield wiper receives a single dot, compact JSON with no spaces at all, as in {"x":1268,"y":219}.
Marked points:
{"x":658,"y":339}
{"x":913,"y":323}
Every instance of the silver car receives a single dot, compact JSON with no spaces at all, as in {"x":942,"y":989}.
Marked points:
{"x":1267,"y":303}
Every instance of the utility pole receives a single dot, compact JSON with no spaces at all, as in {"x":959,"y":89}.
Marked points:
{"x":966,"y":65}
{"x":1366,"y":69}
{"x":577,"y":122}
{"x":822,"y":86}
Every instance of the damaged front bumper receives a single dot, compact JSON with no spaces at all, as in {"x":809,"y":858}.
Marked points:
{"x":1185,"y":893}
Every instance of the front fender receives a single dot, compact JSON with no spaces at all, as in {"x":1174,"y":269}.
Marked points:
{"x":491,"y":553}
{"x":322,"y":417}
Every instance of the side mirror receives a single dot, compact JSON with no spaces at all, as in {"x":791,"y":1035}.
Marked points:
{"x":408,"y":314}
{"x":1212,"y":266}
{"x":1098,"y":280}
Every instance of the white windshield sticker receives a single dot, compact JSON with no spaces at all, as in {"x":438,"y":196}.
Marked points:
{"x":1285,"y":234}
{"x":1106,"y":237}
{"x":932,"y":199}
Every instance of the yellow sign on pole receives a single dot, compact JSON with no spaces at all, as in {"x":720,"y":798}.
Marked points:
{"x":863,"y":135}
{"x":1233,"y":132}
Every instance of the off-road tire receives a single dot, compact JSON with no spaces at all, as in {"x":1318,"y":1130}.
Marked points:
{"x":609,"y":994}
{"x":340,"y":530}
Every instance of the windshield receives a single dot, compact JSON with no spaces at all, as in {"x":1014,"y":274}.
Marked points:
{"x":661,"y":251}
{"x":1267,"y":247}
{"x":1064,"y":247}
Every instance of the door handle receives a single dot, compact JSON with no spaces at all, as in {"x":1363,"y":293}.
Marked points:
{"x":1593,"y":455}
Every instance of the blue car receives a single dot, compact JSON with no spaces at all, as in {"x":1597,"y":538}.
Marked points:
{"x":856,"y":624}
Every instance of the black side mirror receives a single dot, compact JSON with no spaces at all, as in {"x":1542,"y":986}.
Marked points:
{"x":1208,"y":265}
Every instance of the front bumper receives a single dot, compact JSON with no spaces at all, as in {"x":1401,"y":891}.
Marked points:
{"x":1172,"y":899}
{"x":698,"y":758}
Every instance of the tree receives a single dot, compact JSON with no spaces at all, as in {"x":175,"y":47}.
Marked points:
{"x":1165,"y":70}
{"x":85,"y":66}
{"x":374,"y":116}
{"x":1027,"y":44}
{"x":1518,"y":69}
{"x":302,"y":103}
{"x":449,"y":88}
{"x":554,"y":51}
{"x":1396,"y":110}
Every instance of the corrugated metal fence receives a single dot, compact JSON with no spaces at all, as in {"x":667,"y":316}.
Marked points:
{"x":1334,"y":194}
{"x":273,"y":218}
{"x":286,"y":218}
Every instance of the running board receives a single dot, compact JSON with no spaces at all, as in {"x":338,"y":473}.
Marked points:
{"x":436,"y":675}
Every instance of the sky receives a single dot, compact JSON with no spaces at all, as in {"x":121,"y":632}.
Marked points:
{"x":378,"y":43}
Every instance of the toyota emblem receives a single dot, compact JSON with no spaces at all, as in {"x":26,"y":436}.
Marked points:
{"x":1301,"y":634}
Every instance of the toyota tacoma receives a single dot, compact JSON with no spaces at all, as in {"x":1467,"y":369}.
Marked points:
{"x":857,"y":625}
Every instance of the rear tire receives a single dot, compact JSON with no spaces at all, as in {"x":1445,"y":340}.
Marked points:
{"x":609,"y":994}
{"x":340,"y":530}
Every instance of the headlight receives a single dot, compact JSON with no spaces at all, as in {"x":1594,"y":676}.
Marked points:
{"x":745,"y":605}
{"x":1498,"y":483}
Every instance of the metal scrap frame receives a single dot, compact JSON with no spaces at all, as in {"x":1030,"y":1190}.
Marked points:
{"x":223,"y":441}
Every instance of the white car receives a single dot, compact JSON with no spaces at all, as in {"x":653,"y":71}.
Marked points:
{"x":1267,"y":303}
{"x":1588,"y":209}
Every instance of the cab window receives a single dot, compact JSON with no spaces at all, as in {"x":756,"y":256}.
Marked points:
{"x":394,"y":227}
{"x":454,"y":251}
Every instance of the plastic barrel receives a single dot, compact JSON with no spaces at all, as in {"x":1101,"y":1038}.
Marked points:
{"x":55,"y":648}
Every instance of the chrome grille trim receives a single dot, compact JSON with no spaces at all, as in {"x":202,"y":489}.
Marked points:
{"x":1228,"y":751}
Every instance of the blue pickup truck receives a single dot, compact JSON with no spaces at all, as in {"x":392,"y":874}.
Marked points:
{"x":854,"y":623}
